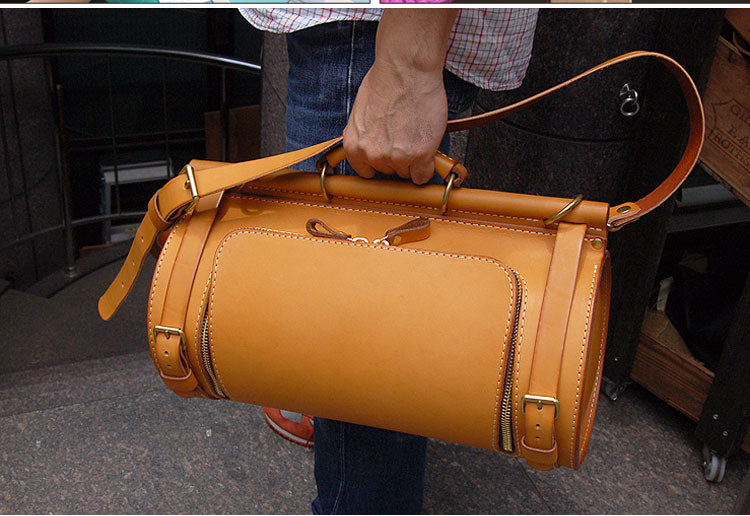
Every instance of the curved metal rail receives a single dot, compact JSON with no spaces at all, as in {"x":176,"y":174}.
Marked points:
{"x":55,"y":50}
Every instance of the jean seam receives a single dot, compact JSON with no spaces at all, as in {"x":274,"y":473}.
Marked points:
{"x":342,"y":467}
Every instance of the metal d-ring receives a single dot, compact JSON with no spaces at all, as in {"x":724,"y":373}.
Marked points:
{"x":451,"y":178}
{"x":323,"y":190}
{"x":560,"y":214}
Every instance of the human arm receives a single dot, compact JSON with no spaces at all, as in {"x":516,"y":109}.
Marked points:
{"x":399,"y":115}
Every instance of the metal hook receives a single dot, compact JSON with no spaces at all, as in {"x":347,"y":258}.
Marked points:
{"x":629,"y":105}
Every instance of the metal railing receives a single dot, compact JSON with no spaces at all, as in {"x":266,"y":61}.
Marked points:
{"x":53,"y":51}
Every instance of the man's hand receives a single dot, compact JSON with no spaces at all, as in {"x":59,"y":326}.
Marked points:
{"x":400,"y":112}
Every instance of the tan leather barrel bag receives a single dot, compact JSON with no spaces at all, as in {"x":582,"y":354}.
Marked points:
{"x":473,"y":316}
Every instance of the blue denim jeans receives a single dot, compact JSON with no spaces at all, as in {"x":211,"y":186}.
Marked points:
{"x":358,"y":469}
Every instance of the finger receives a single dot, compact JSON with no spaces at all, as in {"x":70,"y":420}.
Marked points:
{"x":354,"y":155}
{"x":421,"y":170}
{"x":400,"y":163}
{"x":362,"y":168}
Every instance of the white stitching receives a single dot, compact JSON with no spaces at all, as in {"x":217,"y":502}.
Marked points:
{"x":149,"y":324}
{"x":595,"y":393}
{"x":341,"y":208}
{"x":495,"y":429}
{"x":580,"y":362}
{"x":518,"y":360}
{"x":211,"y":317}
{"x":198,"y":327}
{"x":387,"y":203}
{"x":282,"y":234}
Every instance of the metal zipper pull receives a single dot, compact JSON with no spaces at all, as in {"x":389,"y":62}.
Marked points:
{"x":412,"y":231}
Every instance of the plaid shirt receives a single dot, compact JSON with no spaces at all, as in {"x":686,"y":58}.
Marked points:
{"x":488,"y":47}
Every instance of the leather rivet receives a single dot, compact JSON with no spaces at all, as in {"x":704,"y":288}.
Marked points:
{"x":623,"y":209}
{"x":597,"y":243}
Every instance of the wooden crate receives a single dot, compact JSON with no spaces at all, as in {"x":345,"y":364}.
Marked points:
{"x":664,"y":365}
{"x":726,"y":151}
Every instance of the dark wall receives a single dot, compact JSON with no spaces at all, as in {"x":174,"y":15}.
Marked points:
{"x":578,"y":142}
{"x":28,"y":163}
{"x":122,"y":109}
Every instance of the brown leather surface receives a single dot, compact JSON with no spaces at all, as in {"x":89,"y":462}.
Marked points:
{"x":414,"y":337}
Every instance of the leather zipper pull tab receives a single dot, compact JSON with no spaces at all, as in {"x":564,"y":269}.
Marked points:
{"x":412,"y":231}
{"x":312,"y":228}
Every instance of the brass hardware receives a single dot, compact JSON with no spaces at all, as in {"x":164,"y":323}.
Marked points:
{"x":190,"y":184}
{"x":323,"y":171}
{"x":560,"y":214}
{"x":623,"y":209}
{"x":540,"y":401}
{"x":448,"y":187}
{"x":170,"y":331}
{"x":597,"y":243}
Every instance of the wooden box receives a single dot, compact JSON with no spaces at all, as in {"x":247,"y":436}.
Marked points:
{"x":726,"y":151}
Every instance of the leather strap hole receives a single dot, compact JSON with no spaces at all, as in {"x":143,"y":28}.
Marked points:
{"x":539,"y":426}
{"x":166,"y":353}
{"x":537,"y":438}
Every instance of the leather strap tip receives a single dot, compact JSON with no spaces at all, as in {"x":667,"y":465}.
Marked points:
{"x":104,"y":312}
{"x":185,"y":384}
{"x":622,"y":215}
{"x":539,"y":458}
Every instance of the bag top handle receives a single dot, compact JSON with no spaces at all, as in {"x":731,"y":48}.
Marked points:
{"x":174,"y":195}
{"x":178,"y":195}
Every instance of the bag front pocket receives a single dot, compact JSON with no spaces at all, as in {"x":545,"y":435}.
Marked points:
{"x":411,"y":340}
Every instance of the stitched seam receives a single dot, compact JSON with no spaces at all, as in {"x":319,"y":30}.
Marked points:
{"x":589,"y":419}
{"x":518,"y":358}
{"x":211,"y":324}
{"x":198,"y":325}
{"x":340,"y":208}
{"x":405,"y":205}
{"x":495,"y":422}
{"x":342,"y":466}
{"x":150,"y":324}
{"x":295,"y":236}
{"x":580,"y":362}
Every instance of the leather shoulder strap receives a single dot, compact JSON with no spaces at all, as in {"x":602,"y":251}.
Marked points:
{"x":178,"y":194}
{"x":629,"y":212}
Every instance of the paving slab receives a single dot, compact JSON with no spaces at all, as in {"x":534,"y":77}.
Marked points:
{"x":643,"y":459}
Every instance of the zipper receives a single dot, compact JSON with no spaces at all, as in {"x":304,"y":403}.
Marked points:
{"x":206,"y":354}
{"x":506,"y":404}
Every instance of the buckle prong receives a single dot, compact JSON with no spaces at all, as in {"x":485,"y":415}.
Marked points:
{"x":540,"y":401}
{"x":170,"y":331}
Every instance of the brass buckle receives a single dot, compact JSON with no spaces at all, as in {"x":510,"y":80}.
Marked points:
{"x":171,"y":331}
{"x":451,"y":179}
{"x":540,"y":400}
{"x":190,"y":183}
{"x":560,"y":214}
